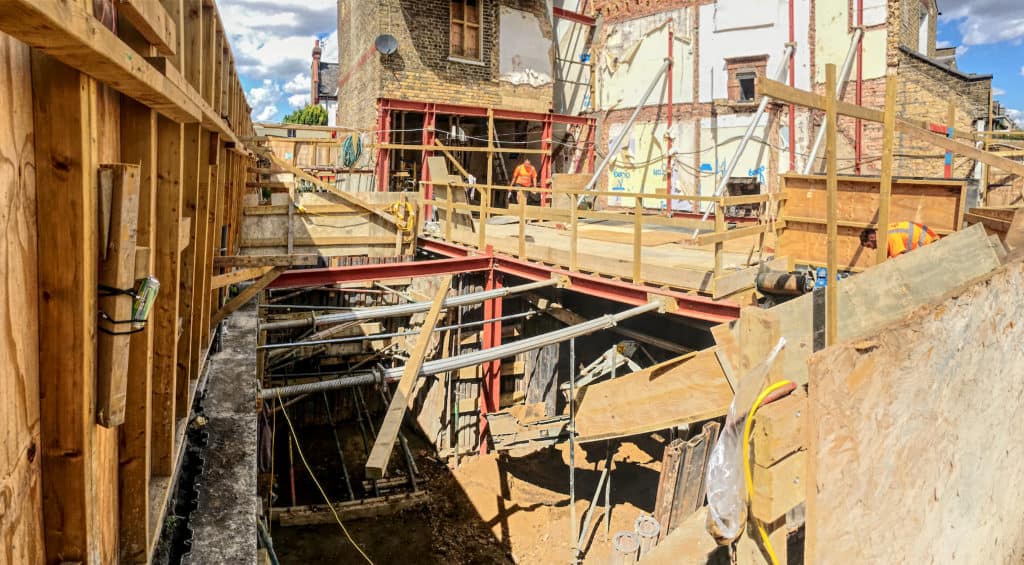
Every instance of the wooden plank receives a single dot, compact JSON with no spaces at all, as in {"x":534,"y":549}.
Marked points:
{"x":832,"y":189}
{"x":687,"y":389}
{"x":346,"y":196}
{"x":888,"y":148}
{"x":21,"y":527}
{"x":192,"y":58}
{"x":377,"y":462}
{"x":887,"y":293}
{"x":298,"y":260}
{"x":117,"y":271}
{"x":318,"y":241}
{"x":68,"y":235}
{"x":349,"y":510}
{"x":164,"y":316}
{"x":314,"y":210}
{"x":246,"y":295}
{"x":729,"y":235}
{"x":138,"y":145}
{"x":73,"y":36}
{"x":192,"y":157}
{"x":247,"y":274}
{"x":779,"y":429}
{"x":689,"y":543}
{"x":152,"y":22}
{"x":201,"y":273}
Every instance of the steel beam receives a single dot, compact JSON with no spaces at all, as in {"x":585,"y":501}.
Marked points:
{"x":382,"y":271}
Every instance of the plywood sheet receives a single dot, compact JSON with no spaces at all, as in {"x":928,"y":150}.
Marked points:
{"x":687,"y":389}
{"x":913,"y":454}
{"x":649,"y":239}
{"x":937,"y":204}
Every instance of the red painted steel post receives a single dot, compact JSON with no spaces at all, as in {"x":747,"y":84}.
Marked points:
{"x":429,"y":120}
{"x":545,"y":160}
{"x":591,"y":141}
{"x":383,"y":137}
{"x":490,"y":386}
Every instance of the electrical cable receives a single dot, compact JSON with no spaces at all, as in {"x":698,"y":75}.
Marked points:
{"x":747,"y":426}
{"x":309,"y":470}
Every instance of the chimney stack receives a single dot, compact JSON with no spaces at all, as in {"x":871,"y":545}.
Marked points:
{"x":314,"y":94}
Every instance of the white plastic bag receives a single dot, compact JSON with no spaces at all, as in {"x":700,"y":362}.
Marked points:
{"x":726,"y":488}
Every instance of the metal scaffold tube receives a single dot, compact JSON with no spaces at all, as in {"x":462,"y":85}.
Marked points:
{"x":844,"y":77}
{"x":405,"y":309}
{"x":625,"y":129}
{"x":475,"y":358}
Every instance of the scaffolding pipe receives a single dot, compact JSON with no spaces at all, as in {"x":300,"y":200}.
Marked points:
{"x":844,"y":77}
{"x":438,"y":366}
{"x":371,"y":337}
{"x":780,"y":74}
{"x":625,"y":129}
{"x":405,"y":309}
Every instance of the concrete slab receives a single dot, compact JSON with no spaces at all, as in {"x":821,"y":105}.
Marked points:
{"x":224,"y":524}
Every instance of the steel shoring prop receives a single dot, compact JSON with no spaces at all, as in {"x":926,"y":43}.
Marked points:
{"x":406,"y":309}
{"x":372,"y":337}
{"x":625,"y":130}
{"x":473,"y":359}
{"x":780,"y":75}
{"x":844,"y":78}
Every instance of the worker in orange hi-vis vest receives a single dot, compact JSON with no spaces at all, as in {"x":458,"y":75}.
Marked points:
{"x":526,"y":176}
{"x":903,"y":237}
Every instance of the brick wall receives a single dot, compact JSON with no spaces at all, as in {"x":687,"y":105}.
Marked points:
{"x":421,"y":69}
{"x":620,"y":10}
{"x":359,"y":82}
{"x":907,"y":22}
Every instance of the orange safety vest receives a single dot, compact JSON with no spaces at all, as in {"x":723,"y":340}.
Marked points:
{"x":908,"y":236}
{"x":524,"y":175}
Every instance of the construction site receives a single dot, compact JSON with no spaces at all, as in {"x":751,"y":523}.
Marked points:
{"x":561,"y":282}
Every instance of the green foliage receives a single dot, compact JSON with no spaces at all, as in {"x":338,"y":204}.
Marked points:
{"x":311,"y":115}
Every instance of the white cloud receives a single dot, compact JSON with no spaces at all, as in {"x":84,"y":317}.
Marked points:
{"x":996,"y":91}
{"x":1022,"y":71}
{"x":943,"y":44}
{"x":1016,"y":115}
{"x":961,"y":50}
{"x":985,"y":21}
{"x":300,"y":84}
{"x":273,"y":45}
{"x":298,"y":100}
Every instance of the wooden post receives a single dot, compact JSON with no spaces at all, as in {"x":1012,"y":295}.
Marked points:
{"x":212,"y":235}
{"x":192,"y":157}
{"x":63,"y":108}
{"x":719,"y":245}
{"x":522,"y":224}
{"x":486,"y":193}
{"x":638,"y":219}
{"x":832,"y":188}
{"x":138,"y":145}
{"x":377,"y":462}
{"x":885,"y":184}
{"x":986,"y":137}
{"x":574,"y":236}
{"x":164,"y":316}
{"x":121,"y":183}
{"x":449,"y":211}
{"x":203,"y":270}
{"x":950,"y":125}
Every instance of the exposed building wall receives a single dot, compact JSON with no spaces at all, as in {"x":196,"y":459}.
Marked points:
{"x":573,"y":63}
{"x":834,"y":22}
{"x":359,"y":82}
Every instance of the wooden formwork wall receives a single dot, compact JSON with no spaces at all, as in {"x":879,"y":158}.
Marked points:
{"x":157,"y":92}
{"x":936,"y":203}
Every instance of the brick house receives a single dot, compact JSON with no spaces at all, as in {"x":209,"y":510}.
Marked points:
{"x":426,"y":71}
{"x":720,"y":48}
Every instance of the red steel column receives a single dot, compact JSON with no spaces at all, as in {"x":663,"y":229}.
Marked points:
{"x":490,"y":386}
{"x":383,"y":137}
{"x":429,"y":120}
{"x":591,"y":140}
{"x":545,"y":160}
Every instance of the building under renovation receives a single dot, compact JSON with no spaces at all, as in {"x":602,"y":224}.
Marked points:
{"x":560,"y":282}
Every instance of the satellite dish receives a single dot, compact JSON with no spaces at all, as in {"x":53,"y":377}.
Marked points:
{"x":386,"y":44}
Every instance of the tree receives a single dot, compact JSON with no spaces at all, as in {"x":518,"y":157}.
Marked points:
{"x":311,"y":115}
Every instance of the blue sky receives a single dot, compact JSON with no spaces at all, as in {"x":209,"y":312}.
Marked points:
{"x":273,"y":39}
{"x":990,"y":36}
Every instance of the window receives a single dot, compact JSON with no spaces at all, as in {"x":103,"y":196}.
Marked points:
{"x":742,"y":77}
{"x":747,"y":79}
{"x":922,"y":32}
{"x":291,"y":133}
{"x":465,"y":29}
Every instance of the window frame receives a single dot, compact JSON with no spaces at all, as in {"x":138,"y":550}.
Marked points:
{"x":464,"y":24}
{"x":755,"y":65}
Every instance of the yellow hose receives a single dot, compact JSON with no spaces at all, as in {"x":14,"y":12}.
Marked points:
{"x":404,"y":216}
{"x":747,"y":463}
